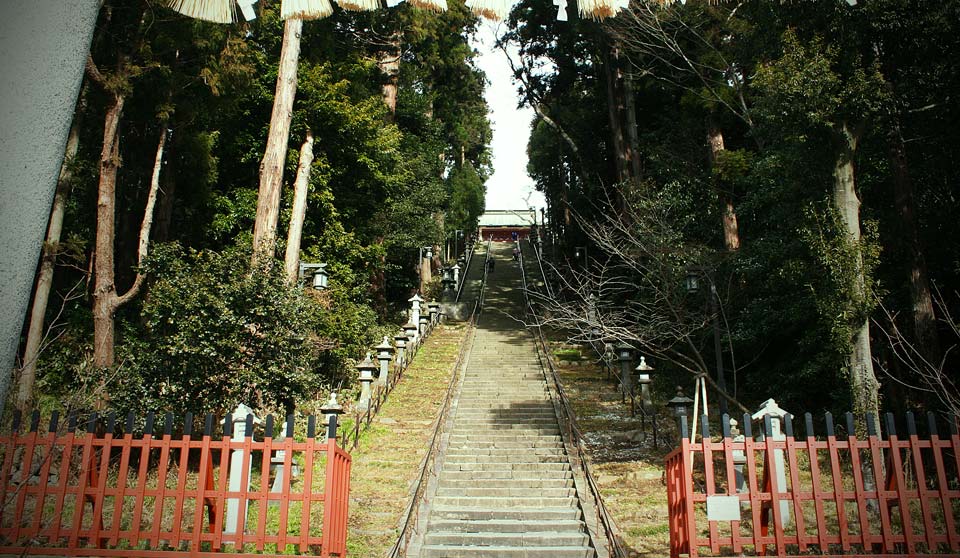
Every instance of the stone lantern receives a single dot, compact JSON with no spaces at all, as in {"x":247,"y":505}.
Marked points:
{"x":434,"y":307}
{"x":625,"y":355}
{"x":644,"y":379}
{"x":410,"y":328}
{"x":680,"y":405}
{"x":415,"y":305}
{"x":384,"y":355}
{"x":400,"y":340}
{"x":366,"y":369}
{"x":331,"y":411}
{"x":456,"y":273}
{"x":424,"y":325}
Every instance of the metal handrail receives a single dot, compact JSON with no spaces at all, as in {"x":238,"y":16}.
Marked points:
{"x":576,"y":435}
{"x":468,"y":258}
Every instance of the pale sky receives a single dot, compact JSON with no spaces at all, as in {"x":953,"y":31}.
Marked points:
{"x":509,"y":186}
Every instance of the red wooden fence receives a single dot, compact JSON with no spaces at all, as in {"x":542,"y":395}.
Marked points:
{"x":830,"y":504}
{"x":96,"y":494}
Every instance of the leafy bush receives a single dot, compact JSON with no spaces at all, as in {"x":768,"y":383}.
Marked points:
{"x":217,"y":334}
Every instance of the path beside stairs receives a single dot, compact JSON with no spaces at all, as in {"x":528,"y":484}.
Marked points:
{"x":505,"y":487}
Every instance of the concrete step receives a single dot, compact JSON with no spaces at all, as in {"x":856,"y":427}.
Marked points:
{"x":505,"y":525}
{"x":446,"y":513}
{"x":444,"y":551}
{"x":496,"y":437}
{"x":467,"y":457}
{"x":543,"y":468}
{"x":505,"y":453}
{"x":515,"y":502}
{"x":481,"y":491}
{"x":505,"y":483}
{"x":458,"y":474}
{"x":521,"y":539}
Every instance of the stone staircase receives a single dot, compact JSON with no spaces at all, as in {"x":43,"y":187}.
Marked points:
{"x":506,"y":488}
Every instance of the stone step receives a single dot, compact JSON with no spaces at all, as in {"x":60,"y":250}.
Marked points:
{"x":446,"y":513}
{"x":534,"y":502}
{"x":543,"y":468}
{"x":508,"y":430}
{"x":465,"y":483}
{"x":521,"y":539}
{"x":497,"y":437}
{"x":506,"y":526}
{"x":505,"y":453}
{"x":501,"y":474}
{"x":506,"y":492}
{"x":445,"y":551}
{"x":466,"y":457}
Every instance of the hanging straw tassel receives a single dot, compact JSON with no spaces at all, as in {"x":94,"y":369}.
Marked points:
{"x":435,"y":5}
{"x":217,"y":11}
{"x":598,"y":9}
{"x":359,"y":5}
{"x":491,"y":9}
{"x":305,"y":9}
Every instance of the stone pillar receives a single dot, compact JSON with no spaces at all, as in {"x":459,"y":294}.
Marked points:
{"x":400,"y":340}
{"x":434,"y":307}
{"x":424,"y":326}
{"x":239,"y":427}
{"x":384,"y":355}
{"x":415,"y":303}
{"x":411,"y":328}
{"x":625,"y":353}
{"x":769,"y":408}
{"x":456,"y":274}
{"x":365,"y":368}
{"x":331,"y":409}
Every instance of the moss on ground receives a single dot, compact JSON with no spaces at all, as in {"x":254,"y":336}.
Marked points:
{"x":628,"y":470}
{"x":386,"y":462}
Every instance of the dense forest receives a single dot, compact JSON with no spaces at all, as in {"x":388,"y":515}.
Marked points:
{"x":151,"y":295}
{"x":793,"y":160}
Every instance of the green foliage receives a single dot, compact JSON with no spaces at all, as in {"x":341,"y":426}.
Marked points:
{"x":216,"y":333}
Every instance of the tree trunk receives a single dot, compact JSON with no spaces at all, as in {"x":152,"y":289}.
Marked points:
{"x":104,"y":289}
{"x":924,"y":319}
{"x":167,"y":199}
{"x":864,"y":386}
{"x":48,"y":260}
{"x":634,"y":140}
{"x":300,"y":188}
{"x":615,"y":108}
{"x":389,"y":63}
{"x":271,"y":168}
{"x":105,"y":298}
{"x":731,"y":231}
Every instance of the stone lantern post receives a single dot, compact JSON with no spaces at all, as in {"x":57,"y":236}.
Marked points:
{"x":424,"y":326}
{"x":410,"y":328}
{"x":239,"y":426}
{"x":456,"y":273}
{"x":366,"y":369}
{"x":644,"y":379}
{"x":434,"y":307}
{"x":384,"y":355}
{"x":625,"y":354}
{"x":415,"y":305}
{"x":770,"y":409}
{"x":331,"y":412}
{"x":680,"y":405}
{"x":400,"y":340}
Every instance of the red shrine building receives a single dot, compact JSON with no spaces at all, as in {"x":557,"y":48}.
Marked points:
{"x":504,"y":225}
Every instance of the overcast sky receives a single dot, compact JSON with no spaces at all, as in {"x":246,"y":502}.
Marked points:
{"x":509,"y":186}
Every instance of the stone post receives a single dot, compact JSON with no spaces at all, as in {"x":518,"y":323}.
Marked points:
{"x":400,"y":340}
{"x":365,"y":368}
{"x":384,"y":355}
{"x":331,"y":409}
{"x":434,"y":307}
{"x":411,"y":329}
{"x":424,"y":326}
{"x":769,"y":408}
{"x":239,"y":427}
{"x":643,"y":378}
{"x":415,"y":302}
{"x":456,"y":274}
{"x":625,"y":353}
{"x":739,"y":457}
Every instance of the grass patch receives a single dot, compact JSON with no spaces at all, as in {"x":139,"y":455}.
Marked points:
{"x":386,"y":460}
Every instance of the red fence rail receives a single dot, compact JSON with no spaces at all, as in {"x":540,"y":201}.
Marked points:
{"x":787,"y":496}
{"x":94,"y":493}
